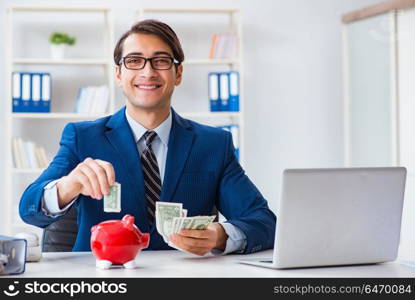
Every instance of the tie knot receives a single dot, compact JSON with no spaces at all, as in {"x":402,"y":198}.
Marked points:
{"x":149,"y":137}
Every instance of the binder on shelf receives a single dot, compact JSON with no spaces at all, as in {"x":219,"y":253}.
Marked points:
{"x":30,"y":152}
{"x":233,"y":91}
{"x":26,"y":92}
{"x":46,"y":93}
{"x":17,"y":157}
{"x":234,"y":130}
{"x":213,"y":46}
{"x":16,"y":91}
{"x":213,"y":86}
{"x":22,"y":154}
{"x":224,"y":91}
{"x":36,"y":92}
{"x":235,"y":138}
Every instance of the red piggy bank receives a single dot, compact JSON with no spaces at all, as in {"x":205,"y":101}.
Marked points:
{"x":117,"y":242}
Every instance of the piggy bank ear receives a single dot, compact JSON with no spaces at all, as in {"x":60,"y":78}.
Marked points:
{"x":128,"y":220}
{"x":93,"y":228}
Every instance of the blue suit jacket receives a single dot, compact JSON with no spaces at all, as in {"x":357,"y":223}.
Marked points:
{"x":201,"y":172}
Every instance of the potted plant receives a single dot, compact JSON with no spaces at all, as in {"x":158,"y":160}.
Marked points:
{"x":59,"y":41}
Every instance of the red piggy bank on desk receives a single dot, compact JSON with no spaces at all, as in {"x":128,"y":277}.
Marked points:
{"x":117,"y":242}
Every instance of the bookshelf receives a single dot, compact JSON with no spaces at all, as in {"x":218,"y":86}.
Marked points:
{"x":22,"y":124}
{"x":48,"y":61}
{"x":198,"y":62}
{"x":68,"y":116}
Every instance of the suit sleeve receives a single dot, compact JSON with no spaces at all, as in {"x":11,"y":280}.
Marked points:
{"x":30,"y":206}
{"x":243,"y":205}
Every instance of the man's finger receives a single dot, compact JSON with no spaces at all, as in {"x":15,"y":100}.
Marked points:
{"x":101,"y":175}
{"x":93,"y":179}
{"x":196,"y":233}
{"x":87,"y":189}
{"x":109,"y":170}
{"x":191,"y":242}
{"x":192,"y":249}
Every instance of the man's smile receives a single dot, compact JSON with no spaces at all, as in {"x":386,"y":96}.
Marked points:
{"x":147,"y":87}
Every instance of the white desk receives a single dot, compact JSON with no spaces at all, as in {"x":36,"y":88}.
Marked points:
{"x":179,"y":264}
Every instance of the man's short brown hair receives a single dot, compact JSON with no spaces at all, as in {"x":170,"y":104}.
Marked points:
{"x":160,"y":29}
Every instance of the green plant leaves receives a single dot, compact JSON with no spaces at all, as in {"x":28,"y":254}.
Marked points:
{"x":61,"y":38}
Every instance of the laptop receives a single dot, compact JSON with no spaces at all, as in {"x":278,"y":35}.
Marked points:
{"x":341,"y":216}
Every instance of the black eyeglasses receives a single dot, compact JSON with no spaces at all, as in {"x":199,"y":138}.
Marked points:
{"x":157,"y":62}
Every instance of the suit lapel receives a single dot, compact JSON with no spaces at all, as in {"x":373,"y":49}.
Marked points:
{"x":122,"y":140}
{"x":180,"y":144}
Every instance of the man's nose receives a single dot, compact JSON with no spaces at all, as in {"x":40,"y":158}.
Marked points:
{"x":148,"y":70}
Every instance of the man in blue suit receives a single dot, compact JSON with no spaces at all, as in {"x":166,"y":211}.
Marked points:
{"x":156,"y":156}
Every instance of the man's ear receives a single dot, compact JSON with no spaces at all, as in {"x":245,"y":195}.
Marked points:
{"x":179,"y":74}
{"x":117,"y":75}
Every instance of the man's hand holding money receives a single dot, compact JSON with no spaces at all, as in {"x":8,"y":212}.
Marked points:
{"x":92,"y":177}
{"x":200,"y":242}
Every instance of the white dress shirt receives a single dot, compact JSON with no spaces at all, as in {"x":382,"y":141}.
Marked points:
{"x":236,"y":238}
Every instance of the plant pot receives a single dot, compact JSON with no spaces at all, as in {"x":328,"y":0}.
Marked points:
{"x":57,"y":51}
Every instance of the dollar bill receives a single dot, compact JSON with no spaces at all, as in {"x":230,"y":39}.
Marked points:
{"x":112,"y":201}
{"x":176,"y":221}
{"x":172,"y":217}
{"x":195,"y":223}
{"x":165,"y":212}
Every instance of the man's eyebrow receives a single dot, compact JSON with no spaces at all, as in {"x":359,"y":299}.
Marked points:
{"x":134,"y":53}
{"x":162,"y":52}
{"x":154,"y":53}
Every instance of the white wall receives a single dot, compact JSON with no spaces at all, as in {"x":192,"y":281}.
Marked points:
{"x":293,"y":80}
{"x":293,"y":87}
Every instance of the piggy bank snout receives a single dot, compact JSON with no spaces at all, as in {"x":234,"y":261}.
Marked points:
{"x":96,"y":245}
{"x":145,"y":240}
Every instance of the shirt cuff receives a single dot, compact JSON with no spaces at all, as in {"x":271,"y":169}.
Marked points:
{"x":50,"y":203}
{"x":236,"y":240}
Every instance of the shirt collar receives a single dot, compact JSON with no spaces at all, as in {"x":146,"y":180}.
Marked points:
{"x":163,"y":130}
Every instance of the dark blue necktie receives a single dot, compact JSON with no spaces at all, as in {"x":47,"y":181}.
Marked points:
{"x":152,"y":181}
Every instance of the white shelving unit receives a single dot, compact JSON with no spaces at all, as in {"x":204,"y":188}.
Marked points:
{"x":48,"y":61}
{"x":74,"y":116}
{"x":11,"y":197}
{"x":236,"y":63}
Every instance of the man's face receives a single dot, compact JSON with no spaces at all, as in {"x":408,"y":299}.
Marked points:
{"x":147,"y":88}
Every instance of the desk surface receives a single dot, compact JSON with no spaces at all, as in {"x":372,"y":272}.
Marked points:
{"x":180,"y":264}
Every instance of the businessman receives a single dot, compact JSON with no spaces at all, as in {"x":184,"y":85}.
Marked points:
{"x":155,"y":155}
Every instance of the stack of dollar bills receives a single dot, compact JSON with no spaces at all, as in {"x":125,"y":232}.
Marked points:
{"x":171,"y":218}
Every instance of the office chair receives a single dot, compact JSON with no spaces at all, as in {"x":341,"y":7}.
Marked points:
{"x":60,"y":235}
